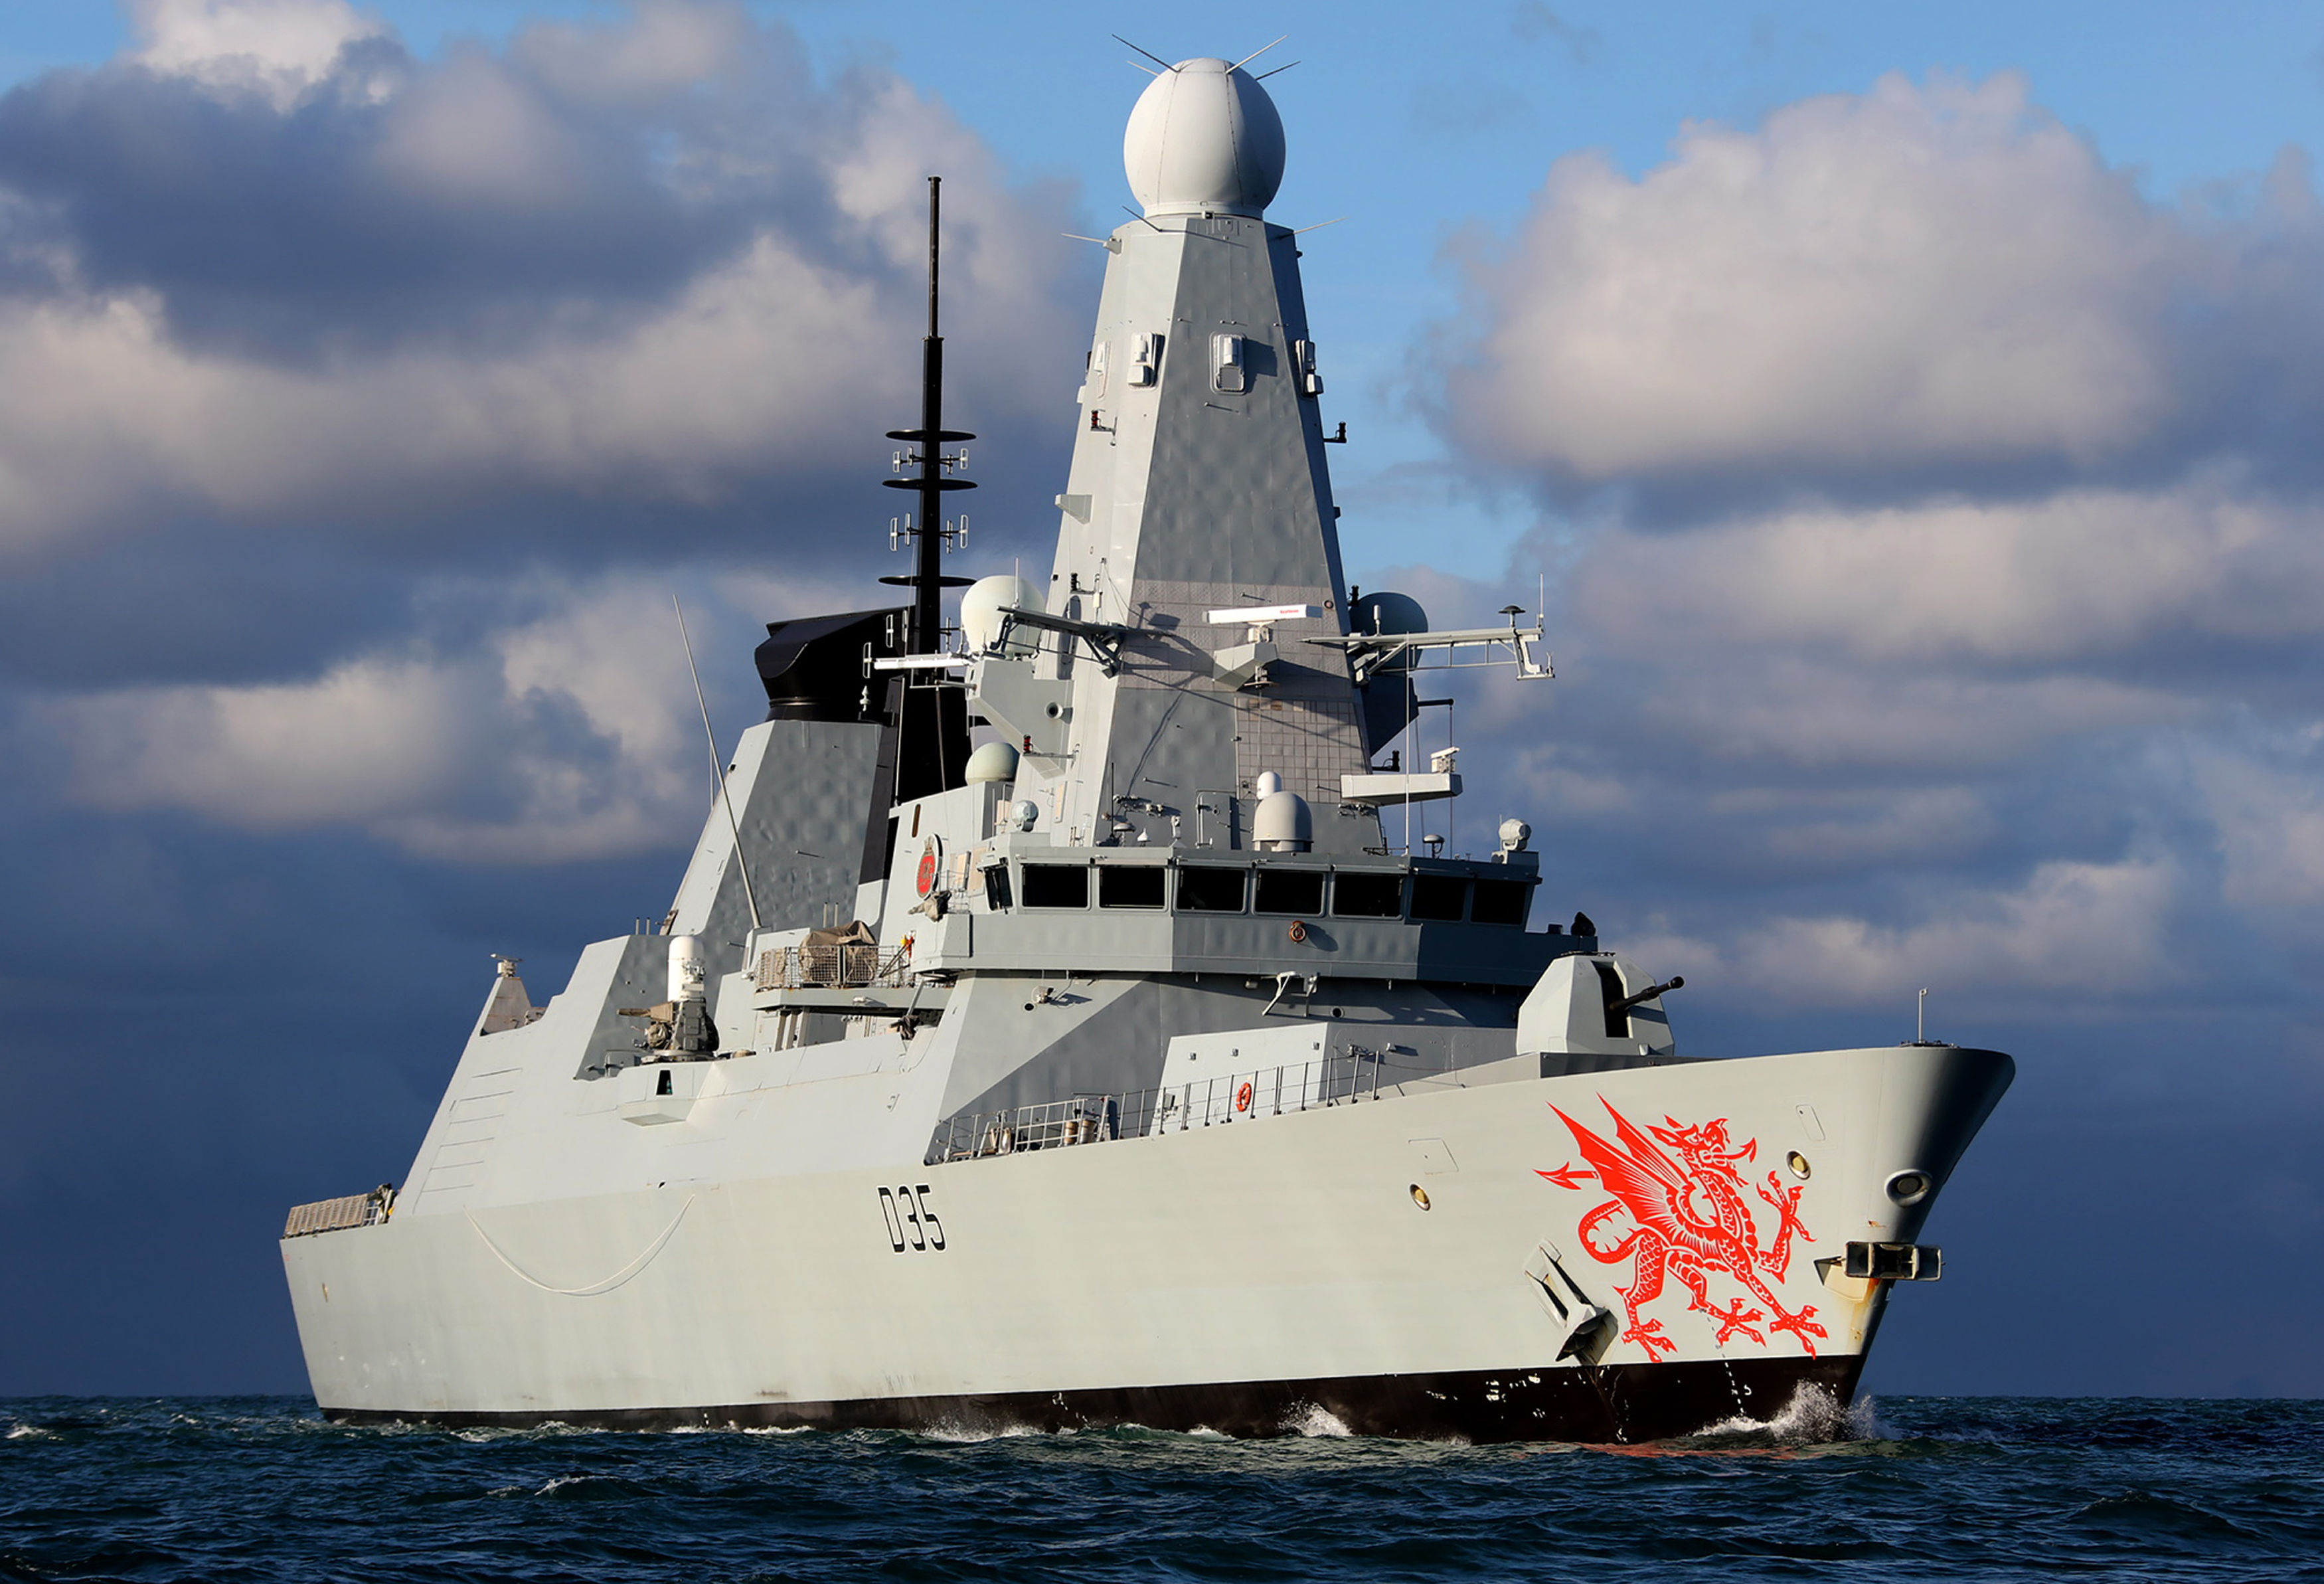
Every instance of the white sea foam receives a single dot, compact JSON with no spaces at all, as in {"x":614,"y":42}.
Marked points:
{"x":561,"y":1481}
{"x":968,"y":1435}
{"x":1812,"y":1417}
{"x":1310,"y":1419}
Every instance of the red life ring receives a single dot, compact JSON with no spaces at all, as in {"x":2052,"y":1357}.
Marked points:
{"x":1242,"y":1098}
{"x":1298,"y":931}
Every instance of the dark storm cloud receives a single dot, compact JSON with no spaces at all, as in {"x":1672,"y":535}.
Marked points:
{"x":607,"y":273}
{"x":358,"y":412}
{"x":478,"y":202}
{"x":352,"y":405}
{"x":289,"y":234}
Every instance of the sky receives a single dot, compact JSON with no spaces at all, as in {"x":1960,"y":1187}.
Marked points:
{"x":1905,"y":417}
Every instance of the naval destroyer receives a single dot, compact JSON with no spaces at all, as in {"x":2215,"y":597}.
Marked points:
{"x":1059,"y":1024}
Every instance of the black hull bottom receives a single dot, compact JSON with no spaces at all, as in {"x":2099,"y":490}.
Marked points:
{"x":1614,"y":1403}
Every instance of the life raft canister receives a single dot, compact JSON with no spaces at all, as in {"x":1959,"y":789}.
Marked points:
{"x":1242,"y":1098}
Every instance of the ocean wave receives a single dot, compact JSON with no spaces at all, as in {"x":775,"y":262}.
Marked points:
{"x":2184,"y":1493}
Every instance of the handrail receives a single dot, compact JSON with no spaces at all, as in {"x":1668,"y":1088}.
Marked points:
{"x":1244,"y":1097}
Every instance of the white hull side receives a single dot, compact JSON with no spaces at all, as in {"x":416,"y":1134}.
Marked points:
{"x":1286,"y":1250}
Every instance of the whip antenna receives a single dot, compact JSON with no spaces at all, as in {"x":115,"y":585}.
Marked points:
{"x":1157,"y":60}
{"x":717,"y":774}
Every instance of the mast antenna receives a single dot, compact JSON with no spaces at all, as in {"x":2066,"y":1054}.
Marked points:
{"x":928,"y":533}
{"x":717,"y":772}
{"x":1157,"y":60}
{"x":1254,"y":55}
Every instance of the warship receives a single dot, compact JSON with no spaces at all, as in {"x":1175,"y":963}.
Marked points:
{"x":1058,"y":1023}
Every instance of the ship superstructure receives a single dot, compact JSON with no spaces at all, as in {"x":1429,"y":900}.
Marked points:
{"x":1064,"y":1026}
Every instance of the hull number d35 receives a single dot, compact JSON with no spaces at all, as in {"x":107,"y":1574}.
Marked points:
{"x":911,"y":1220}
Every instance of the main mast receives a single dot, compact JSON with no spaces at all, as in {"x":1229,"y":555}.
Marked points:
{"x":927,"y":530}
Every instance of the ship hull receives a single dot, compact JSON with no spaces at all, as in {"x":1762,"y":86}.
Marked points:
{"x":1596,"y":1404}
{"x":1411,"y":1266}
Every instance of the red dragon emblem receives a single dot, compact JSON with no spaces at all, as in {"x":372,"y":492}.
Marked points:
{"x":1689,"y":1217}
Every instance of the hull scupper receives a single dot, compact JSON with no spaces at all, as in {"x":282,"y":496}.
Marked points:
{"x":1059,"y":1024}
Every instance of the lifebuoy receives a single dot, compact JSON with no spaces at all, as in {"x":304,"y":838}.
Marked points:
{"x":1298,"y":931}
{"x":1242,"y":1098}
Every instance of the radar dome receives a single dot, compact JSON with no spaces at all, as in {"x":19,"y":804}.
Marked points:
{"x":991,"y":762}
{"x":981,"y":605}
{"x":1204,"y":138}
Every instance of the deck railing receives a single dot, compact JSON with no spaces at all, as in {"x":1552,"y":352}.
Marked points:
{"x":1213,"y":1102}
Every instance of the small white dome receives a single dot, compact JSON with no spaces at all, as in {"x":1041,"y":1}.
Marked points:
{"x":992,"y":762}
{"x":981,"y":605}
{"x":1203,"y":136}
{"x":1282,"y":823}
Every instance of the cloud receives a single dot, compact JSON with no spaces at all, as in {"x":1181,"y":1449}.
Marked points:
{"x":273,"y":48}
{"x":1929,"y":284}
{"x":357,"y":409}
{"x":1939,"y":558}
{"x":1533,"y":20}
{"x":2070,"y":934}
{"x":652,"y":262}
{"x":554,"y":739}
{"x":2085,"y":578}
{"x":566,"y":733}
{"x":2266,"y":800}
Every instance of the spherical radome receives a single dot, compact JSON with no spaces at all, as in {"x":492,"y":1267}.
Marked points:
{"x":981,"y":605}
{"x":990,"y":762}
{"x":1203,"y":136}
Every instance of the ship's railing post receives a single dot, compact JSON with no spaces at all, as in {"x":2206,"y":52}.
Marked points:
{"x":1145,"y":1113}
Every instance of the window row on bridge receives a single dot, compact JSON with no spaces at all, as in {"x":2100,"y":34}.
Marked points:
{"x":1298,"y":893}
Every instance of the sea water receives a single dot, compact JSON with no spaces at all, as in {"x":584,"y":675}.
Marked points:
{"x":1906,"y":1488}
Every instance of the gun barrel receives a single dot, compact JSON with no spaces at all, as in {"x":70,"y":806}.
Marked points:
{"x":1675,"y":982}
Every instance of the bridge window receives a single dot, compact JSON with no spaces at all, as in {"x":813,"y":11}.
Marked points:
{"x":1056,"y":885}
{"x":1290,"y":891}
{"x":1206,"y":888}
{"x":1440,"y":897}
{"x":1124,"y":885}
{"x":1357,"y":895}
{"x":1499,"y":901}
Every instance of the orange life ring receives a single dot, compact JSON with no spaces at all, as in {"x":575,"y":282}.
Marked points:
{"x":1298,"y":931}
{"x":1242,"y":1098}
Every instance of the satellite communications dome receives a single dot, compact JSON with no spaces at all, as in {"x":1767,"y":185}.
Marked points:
{"x":990,"y":762}
{"x":1204,"y":138}
{"x":981,"y":605}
